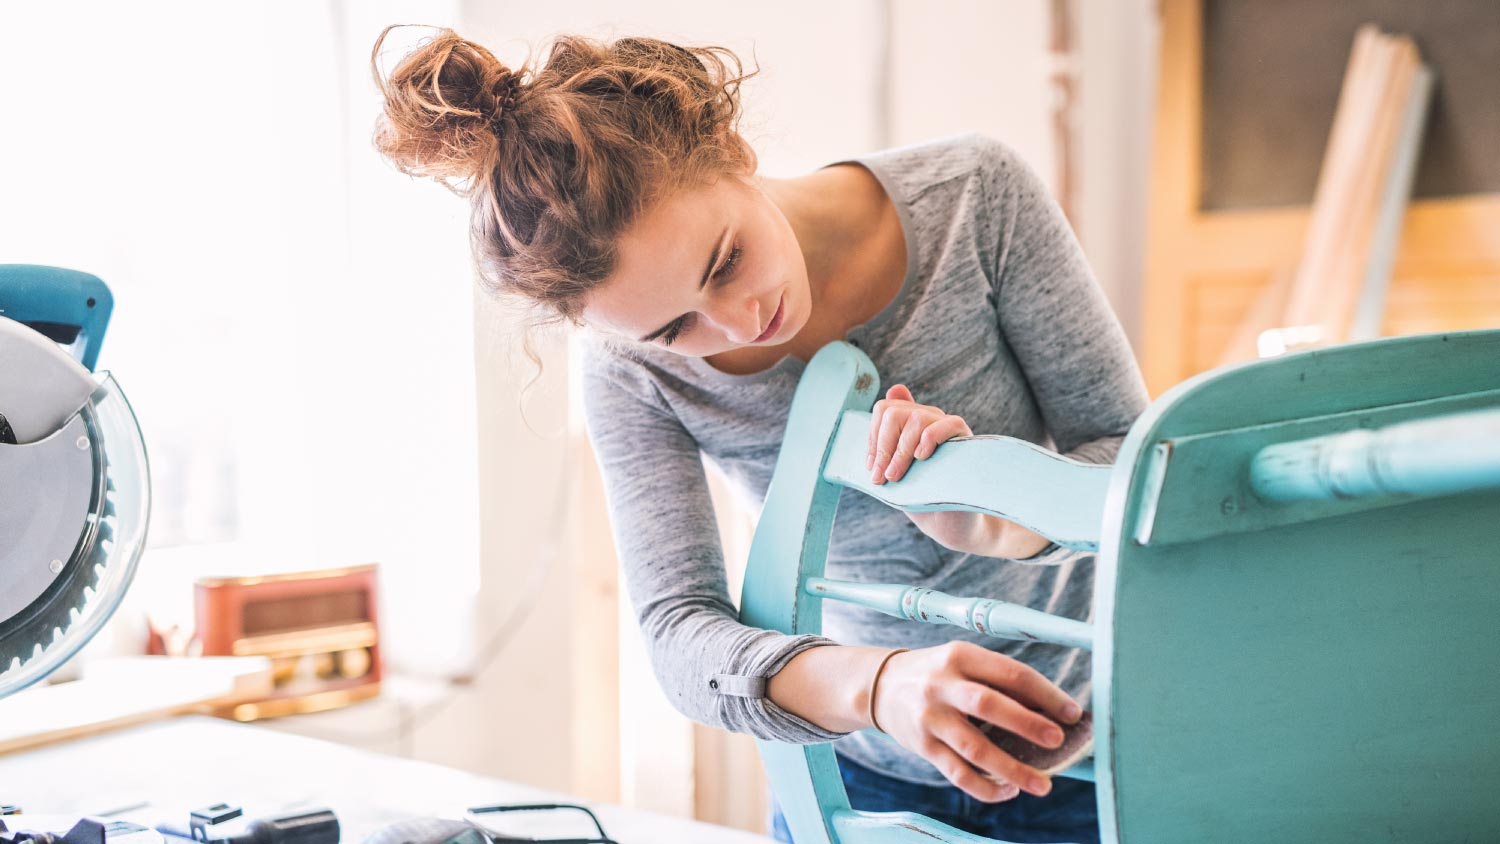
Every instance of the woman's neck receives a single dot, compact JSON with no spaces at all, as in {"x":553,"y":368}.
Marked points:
{"x":835,"y":213}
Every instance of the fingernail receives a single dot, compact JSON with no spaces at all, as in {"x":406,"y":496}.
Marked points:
{"x":1072,"y":712}
{"x":1054,"y":737}
{"x":1038,"y":786}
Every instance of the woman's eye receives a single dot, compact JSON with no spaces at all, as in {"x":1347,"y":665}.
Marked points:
{"x":674,"y":331}
{"x":680,"y":325}
{"x":726,"y":269}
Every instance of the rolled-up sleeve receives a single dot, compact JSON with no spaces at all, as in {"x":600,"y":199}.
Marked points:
{"x":712,"y":668}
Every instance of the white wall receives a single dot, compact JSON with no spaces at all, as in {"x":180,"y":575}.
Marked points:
{"x":1117,"y":42}
{"x":974,"y":65}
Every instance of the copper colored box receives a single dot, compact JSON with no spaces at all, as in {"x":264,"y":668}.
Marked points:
{"x":318,"y":627}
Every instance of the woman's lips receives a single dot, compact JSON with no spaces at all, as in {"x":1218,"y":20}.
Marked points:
{"x":775,"y":322}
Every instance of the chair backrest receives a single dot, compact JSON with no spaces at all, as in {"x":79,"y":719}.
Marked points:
{"x":1278,"y":651}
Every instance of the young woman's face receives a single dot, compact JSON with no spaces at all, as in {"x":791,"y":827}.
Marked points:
{"x":704,"y":271}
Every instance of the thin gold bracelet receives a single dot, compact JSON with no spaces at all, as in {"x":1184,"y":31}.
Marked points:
{"x":876,"y":679}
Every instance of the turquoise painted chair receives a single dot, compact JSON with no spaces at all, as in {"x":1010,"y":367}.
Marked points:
{"x":1297,"y":589}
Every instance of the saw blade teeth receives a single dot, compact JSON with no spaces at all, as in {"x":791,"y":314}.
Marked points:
{"x":88,"y":574}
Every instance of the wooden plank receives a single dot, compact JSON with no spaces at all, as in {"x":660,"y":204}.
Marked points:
{"x":123,"y":692}
{"x":1341,"y":293}
{"x":1368,"y":62}
{"x":1366,"y":321}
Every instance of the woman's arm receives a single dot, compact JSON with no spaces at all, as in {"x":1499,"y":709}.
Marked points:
{"x":711,"y":667}
{"x":1056,"y":318}
{"x":799,"y":689}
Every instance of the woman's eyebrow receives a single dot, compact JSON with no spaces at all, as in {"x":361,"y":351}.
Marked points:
{"x":713,"y":261}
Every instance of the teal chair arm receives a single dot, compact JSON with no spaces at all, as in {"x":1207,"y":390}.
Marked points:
{"x":1062,"y":499}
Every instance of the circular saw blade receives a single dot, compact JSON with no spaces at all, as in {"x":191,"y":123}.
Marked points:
{"x":52,"y":564}
{"x":77,"y":503}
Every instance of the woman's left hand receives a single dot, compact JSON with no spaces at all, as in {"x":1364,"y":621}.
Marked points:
{"x":902,"y":431}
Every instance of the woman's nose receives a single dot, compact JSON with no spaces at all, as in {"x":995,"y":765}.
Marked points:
{"x":738,"y":318}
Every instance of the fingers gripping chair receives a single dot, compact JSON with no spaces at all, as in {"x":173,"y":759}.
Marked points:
{"x":1294,"y":611}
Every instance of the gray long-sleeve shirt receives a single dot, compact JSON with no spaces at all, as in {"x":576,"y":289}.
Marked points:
{"x":999,"y":320}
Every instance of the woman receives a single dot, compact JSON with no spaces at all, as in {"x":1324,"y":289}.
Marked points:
{"x":610,"y":188}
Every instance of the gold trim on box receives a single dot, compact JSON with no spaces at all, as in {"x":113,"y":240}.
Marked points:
{"x":303,"y":704}
{"x":310,"y":640}
{"x":252,"y":580}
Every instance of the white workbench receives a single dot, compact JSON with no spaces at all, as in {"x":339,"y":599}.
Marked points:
{"x":184,"y":763}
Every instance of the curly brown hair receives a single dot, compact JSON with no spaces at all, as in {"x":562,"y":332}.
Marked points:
{"x":558,"y":160}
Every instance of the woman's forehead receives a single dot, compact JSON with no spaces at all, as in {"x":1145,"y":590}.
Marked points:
{"x":662,"y":256}
{"x":674,"y":239}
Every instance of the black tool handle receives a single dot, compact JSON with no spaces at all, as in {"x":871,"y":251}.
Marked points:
{"x":311,"y":826}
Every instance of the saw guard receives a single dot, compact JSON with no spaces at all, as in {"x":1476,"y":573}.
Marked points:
{"x":109,"y":547}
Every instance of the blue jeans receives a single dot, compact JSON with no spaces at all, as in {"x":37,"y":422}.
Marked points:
{"x":1068,"y":813}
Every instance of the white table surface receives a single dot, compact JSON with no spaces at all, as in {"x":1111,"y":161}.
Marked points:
{"x":184,"y":763}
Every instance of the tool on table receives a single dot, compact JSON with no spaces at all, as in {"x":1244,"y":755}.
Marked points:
{"x":563,"y":823}
{"x":52,"y":830}
{"x":220,"y":823}
{"x":72,"y":468}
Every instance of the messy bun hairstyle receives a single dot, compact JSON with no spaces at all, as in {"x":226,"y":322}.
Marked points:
{"x":557,"y":160}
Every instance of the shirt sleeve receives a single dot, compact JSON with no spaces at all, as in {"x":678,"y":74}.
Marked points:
{"x":1058,"y":322}
{"x":1056,"y":318}
{"x":712,"y":668}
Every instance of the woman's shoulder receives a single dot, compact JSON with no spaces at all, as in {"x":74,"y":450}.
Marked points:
{"x":916,"y":168}
{"x":617,"y":359}
{"x":638,"y":372}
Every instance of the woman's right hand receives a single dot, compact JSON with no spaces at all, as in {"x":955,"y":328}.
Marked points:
{"x":924,"y":698}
